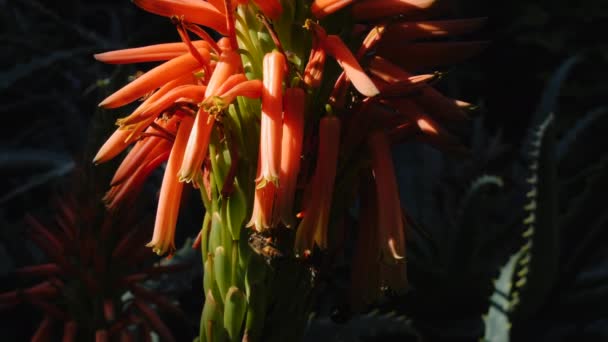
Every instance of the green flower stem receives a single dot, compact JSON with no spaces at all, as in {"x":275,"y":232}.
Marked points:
{"x":205,"y":235}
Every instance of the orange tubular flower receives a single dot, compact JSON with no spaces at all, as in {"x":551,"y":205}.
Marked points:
{"x":113,"y":146}
{"x":170,"y":193}
{"x":193,"y":11}
{"x":145,"y":149}
{"x":322,"y":8}
{"x":229,"y":64}
{"x":155,"y":78}
{"x":196,"y":149}
{"x":432,"y":131}
{"x":150,"y":53}
{"x":251,"y":89}
{"x":264,"y":214}
{"x":313,"y":73}
{"x":272,"y":108}
{"x":412,"y":30}
{"x":436,"y":104}
{"x":263,"y":208}
{"x":270,"y":8}
{"x":336,"y":48}
{"x":313,"y":227}
{"x":390,"y":223}
{"x":365,"y":282}
{"x":291,"y":151}
{"x":198,"y":143}
{"x":150,"y":100}
{"x":377,"y":9}
{"x":126,"y":190}
{"x":193,"y":93}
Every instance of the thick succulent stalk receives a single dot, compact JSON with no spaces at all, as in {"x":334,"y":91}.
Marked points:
{"x":248,"y":284}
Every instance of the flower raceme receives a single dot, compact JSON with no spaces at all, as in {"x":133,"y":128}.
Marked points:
{"x":242,"y":118}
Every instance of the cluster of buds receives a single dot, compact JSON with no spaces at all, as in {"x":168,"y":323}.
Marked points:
{"x":270,"y":82}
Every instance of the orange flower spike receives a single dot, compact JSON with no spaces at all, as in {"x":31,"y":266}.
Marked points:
{"x":313,"y":227}
{"x":337,"y":49}
{"x":271,"y":8}
{"x":197,"y":146}
{"x":322,"y":8}
{"x":151,"y":53}
{"x":377,"y":9}
{"x":113,"y":146}
{"x":154,"y":78}
{"x":170,"y":193}
{"x":291,"y":151}
{"x":193,"y":11}
{"x":390,"y":223}
{"x":274,"y":66}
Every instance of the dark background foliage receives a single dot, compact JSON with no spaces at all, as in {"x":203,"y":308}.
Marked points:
{"x":50,"y":86}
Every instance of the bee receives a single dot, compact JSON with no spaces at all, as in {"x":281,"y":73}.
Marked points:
{"x":265,"y":247}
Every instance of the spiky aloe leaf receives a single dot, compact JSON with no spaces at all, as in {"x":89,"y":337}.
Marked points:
{"x":536,"y":269}
{"x":496,"y":321}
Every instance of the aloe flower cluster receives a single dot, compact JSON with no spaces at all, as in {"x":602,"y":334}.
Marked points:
{"x":283,"y":113}
{"x":93,"y":286}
